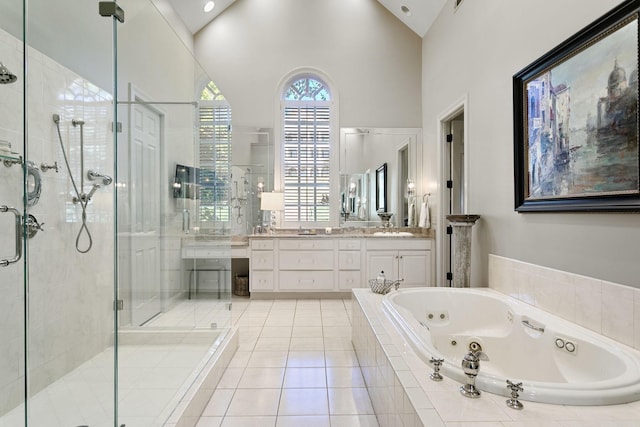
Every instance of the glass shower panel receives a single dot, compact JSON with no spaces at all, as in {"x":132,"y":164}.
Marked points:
{"x":173,"y":251}
{"x":70,"y":247}
{"x":12,"y":279}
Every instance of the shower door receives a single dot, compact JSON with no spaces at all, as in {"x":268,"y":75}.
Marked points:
{"x":12,"y":263}
{"x":57,"y":321}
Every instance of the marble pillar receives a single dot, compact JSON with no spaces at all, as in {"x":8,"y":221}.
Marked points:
{"x":461,"y":248}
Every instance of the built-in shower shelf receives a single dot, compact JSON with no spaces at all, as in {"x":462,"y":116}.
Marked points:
{"x":10,"y":159}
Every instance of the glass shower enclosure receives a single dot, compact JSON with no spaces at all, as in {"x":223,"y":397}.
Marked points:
{"x":115,"y":287}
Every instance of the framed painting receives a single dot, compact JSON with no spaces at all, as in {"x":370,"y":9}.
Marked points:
{"x":576,"y":121}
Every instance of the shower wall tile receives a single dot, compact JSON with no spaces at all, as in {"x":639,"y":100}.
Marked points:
{"x":607,"y":308}
{"x":70,"y":294}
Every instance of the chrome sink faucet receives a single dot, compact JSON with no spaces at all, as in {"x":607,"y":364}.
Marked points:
{"x":471,"y":367}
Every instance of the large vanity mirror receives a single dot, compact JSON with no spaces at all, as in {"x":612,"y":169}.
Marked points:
{"x":252,"y":173}
{"x":375,"y":166}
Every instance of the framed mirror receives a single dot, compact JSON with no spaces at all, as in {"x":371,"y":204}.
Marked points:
{"x":381,"y":188}
{"x":362,"y":152}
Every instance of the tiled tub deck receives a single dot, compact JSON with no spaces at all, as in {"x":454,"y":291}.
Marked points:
{"x":403,"y":395}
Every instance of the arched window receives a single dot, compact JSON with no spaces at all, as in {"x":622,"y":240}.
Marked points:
{"x":214,"y":157}
{"x":306,"y":149}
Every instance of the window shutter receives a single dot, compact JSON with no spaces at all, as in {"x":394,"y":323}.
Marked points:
{"x":307,"y":149}
{"x":214,"y":125}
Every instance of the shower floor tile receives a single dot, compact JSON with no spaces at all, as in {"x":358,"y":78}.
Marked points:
{"x":154,"y":367}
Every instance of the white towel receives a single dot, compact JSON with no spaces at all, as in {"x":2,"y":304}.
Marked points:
{"x":425,"y":218}
{"x":412,"y":215}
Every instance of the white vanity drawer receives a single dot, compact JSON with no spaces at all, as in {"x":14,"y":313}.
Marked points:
{"x":261,"y":280}
{"x":306,"y":244}
{"x":261,"y":244}
{"x":306,"y":280}
{"x":306,"y":260}
{"x":349,"y":260}
{"x":349,"y":244}
{"x":350,"y":279}
{"x":389,"y":243}
{"x":261,"y":260}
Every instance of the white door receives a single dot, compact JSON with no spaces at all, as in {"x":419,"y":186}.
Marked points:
{"x":145,"y":214}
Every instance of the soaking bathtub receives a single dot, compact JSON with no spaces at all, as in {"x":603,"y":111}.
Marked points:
{"x":557,"y":361}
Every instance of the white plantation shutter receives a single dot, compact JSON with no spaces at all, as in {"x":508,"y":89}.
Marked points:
{"x":306,"y":151}
{"x":214,"y":125}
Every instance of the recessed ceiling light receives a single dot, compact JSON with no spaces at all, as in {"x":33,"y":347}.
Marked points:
{"x":208,"y":6}
{"x":405,"y":10}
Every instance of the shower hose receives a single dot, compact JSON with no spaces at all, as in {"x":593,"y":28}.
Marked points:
{"x":82,"y":200}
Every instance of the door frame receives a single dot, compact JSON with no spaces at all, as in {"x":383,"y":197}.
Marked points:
{"x":461,"y":106}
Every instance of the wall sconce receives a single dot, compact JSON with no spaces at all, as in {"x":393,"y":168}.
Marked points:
{"x":260,"y":186}
{"x":352,"y":190}
{"x":411,"y":188}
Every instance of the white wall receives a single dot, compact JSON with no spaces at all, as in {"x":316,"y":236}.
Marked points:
{"x":474,"y":52}
{"x":373,"y":59}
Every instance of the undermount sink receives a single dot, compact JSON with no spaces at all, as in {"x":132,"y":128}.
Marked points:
{"x":393,"y":233}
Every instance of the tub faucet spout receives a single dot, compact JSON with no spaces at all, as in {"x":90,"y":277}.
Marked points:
{"x":471,"y":367}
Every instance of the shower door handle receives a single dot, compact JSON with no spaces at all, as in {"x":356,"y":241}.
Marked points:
{"x":18,"y":232}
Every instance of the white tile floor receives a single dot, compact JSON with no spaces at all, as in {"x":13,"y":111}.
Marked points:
{"x":295,"y":367}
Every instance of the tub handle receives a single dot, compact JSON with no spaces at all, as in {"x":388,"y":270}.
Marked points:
{"x":535,"y":328}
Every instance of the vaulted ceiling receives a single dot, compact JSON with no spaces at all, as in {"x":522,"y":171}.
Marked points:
{"x":418,"y":15}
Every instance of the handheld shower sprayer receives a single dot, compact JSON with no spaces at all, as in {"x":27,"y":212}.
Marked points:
{"x":93,"y":175}
{"x":80,"y":196}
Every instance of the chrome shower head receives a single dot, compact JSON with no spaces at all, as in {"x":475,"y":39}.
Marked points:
{"x":6,"y":76}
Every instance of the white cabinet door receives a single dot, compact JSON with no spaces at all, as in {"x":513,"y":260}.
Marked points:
{"x":386,"y":261}
{"x":415,"y":268}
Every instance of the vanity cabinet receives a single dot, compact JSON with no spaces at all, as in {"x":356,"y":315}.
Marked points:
{"x":408,"y":259}
{"x":332,"y":264}
{"x":306,"y":264}
{"x":261,"y":266}
{"x":349,"y":263}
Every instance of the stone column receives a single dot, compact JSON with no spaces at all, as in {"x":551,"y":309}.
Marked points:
{"x":461,"y":248}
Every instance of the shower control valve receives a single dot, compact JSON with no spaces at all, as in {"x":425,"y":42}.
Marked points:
{"x":33,"y":226}
{"x":45,"y":167}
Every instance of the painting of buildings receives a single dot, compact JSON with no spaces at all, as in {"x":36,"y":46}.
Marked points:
{"x":583,"y":122}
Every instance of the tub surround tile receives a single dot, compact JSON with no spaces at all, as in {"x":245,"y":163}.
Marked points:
{"x":589,"y":303}
{"x":617,"y":312}
{"x":451,"y":406}
{"x":607,"y":308}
